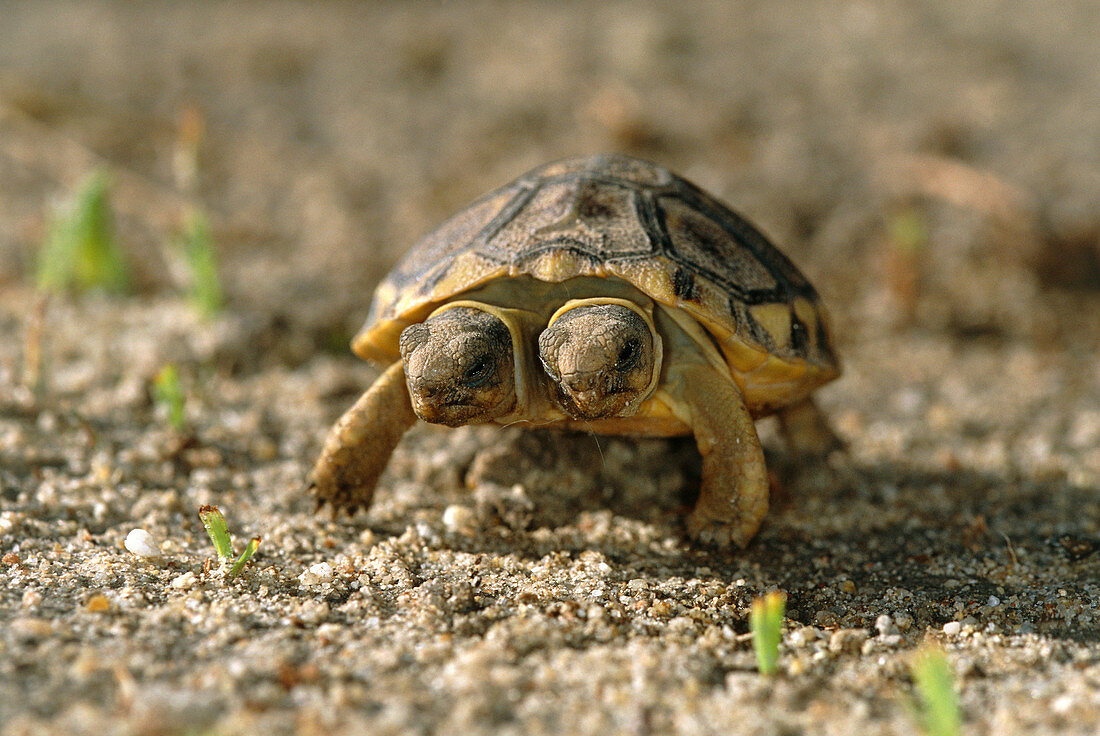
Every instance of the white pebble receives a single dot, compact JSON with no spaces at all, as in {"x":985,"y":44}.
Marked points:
{"x":316,"y":575}
{"x":458,"y":518}
{"x":994,"y":600}
{"x":1062,"y":704}
{"x":185,"y":581}
{"x":142,"y":544}
{"x":803,"y":636}
{"x":885,"y":625}
{"x":313,"y":612}
{"x":951,"y":628}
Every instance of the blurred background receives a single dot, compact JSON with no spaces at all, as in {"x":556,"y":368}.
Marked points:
{"x":210,"y":191}
{"x":931,"y":166}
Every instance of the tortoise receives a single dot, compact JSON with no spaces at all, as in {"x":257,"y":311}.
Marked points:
{"x":601,"y":293}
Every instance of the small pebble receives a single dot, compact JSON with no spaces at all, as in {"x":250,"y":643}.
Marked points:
{"x":847,"y":640}
{"x":185,"y":581}
{"x":313,"y":612}
{"x":952,"y":628}
{"x":801,"y":637}
{"x":316,"y":575}
{"x":884,"y":624}
{"x":98,"y":603}
{"x":458,"y":518}
{"x":1062,"y":704}
{"x":29,"y":629}
{"x":142,"y":544}
{"x":796,"y":666}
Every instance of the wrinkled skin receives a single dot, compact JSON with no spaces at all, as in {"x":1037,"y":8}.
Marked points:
{"x":459,"y":367}
{"x":600,"y":358}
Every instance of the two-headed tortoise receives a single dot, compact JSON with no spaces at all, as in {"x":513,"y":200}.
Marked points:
{"x":602,"y":293}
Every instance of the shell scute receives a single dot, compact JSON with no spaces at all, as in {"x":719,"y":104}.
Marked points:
{"x":593,"y":218}
{"x":634,"y":220}
{"x":702,"y":245}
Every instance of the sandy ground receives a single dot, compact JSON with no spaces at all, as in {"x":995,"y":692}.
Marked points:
{"x":516,"y":582}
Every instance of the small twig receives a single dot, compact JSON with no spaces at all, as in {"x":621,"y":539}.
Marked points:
{"x":33,"y":376}
{"x":1011,"y":550}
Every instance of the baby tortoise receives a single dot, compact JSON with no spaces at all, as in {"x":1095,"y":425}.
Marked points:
{"x":601,"y":293}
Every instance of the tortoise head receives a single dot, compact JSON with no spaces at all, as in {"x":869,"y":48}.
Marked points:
{"x":459,"y":366}
{"x":603,"y":355}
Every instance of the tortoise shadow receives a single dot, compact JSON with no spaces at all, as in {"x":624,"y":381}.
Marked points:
{"x":847,"y":542}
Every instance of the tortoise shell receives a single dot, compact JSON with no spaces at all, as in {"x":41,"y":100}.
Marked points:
{"x":614,"y":216}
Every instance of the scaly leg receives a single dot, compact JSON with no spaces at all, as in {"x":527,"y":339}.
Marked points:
{"x":807,"y":431}
{"x":359,"y":445}
{"x":734,"y":494}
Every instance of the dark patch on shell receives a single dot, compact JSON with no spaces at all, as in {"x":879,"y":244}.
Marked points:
{"x":747,"y":325}
{"x":799,"y":335}
{"x":617,"y":210}
{"x":684,"y":286}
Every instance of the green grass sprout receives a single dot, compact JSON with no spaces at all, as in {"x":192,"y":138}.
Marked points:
{"x":196,"y":243}
{"x":168,"y":392}
{"x":214,"y":522}
{"x":218,"y":530}
{"x":937,"y":709}
{"x":766,"y":624}
{"x":82,"y":252}
{"x":249,"y":550}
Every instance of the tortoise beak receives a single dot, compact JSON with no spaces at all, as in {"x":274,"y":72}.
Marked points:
{"x":586,"y":404}
{"x":591,"y":403}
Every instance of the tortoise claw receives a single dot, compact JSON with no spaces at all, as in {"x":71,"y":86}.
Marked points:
{"x":359,"y":444}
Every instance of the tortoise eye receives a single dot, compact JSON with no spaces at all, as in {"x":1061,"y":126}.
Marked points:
{"x":628,"y":356}
{"x":478,"y":373}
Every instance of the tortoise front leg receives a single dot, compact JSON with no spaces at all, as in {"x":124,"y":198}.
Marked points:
{"x":359,"y":445}
{"x":734,"y":494}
